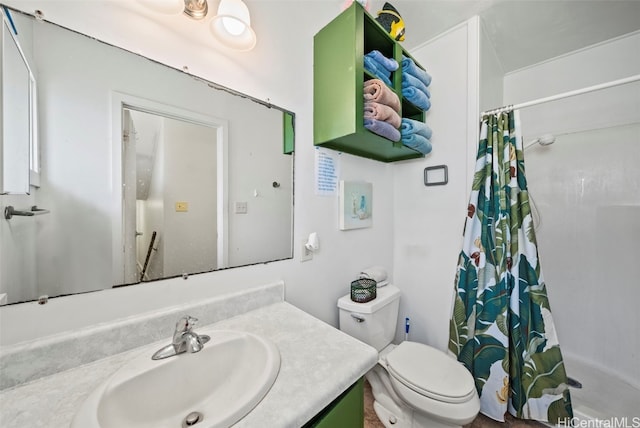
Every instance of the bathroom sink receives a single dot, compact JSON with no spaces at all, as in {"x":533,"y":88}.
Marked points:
{"x":215,"y":387}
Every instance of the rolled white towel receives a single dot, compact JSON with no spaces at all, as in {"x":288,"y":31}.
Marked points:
{"x":377,"y":273}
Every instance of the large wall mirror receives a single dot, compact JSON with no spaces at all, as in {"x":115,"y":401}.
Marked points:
{"x":147,"y":172}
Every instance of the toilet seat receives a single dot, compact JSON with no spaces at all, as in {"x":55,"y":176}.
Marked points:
{"x":430,"y":373}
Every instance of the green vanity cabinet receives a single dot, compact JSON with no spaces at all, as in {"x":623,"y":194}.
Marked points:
{"x":346,"y":411}
{"x":338,"y":80}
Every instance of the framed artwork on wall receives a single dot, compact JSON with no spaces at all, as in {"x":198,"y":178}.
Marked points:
{"x":356,"y":203}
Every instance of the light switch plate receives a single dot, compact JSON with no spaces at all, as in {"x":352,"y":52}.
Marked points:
{"x":182,"y":207}
{"x":240,"y":208}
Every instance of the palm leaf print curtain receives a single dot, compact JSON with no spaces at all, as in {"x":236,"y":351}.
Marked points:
{"x":501,"y":328}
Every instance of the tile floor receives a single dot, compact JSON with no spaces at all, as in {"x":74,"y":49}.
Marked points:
{"x":372,"y":421}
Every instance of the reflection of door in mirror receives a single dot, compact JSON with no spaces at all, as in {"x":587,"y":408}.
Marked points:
{"x":170,"y":196}
{"x":18,"y":92}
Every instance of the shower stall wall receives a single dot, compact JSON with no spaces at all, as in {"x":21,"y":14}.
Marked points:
{"x":586,"y":193}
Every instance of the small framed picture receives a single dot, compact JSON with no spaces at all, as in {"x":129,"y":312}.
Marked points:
{"x":356,"y":209}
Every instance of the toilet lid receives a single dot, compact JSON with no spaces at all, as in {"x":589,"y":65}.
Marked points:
{"x":430,"y":372}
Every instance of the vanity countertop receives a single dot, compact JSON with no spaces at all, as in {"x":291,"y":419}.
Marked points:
{"x":318,"y":363}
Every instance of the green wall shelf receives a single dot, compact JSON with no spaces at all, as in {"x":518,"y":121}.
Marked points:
{"x":338,"y":80}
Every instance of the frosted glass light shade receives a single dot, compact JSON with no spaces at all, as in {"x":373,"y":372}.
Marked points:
{"x":232,"y":25}
{"x":169,"y":7}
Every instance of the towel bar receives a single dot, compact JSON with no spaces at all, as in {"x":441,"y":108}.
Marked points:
{"x":9,"y":212}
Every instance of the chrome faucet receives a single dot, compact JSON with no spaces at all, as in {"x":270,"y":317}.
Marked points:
{"x":184,"y":340}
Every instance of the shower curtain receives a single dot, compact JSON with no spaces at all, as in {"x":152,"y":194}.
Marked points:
{"x":501,"y":328}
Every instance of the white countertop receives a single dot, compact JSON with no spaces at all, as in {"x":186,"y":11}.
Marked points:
{"x":318,"y":363}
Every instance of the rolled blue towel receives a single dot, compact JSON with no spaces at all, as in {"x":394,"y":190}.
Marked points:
{"x":375,"y":67}
{"x":389,"y":64}
{"x":380,"y":72}
{"x":382,"y":128}
{"x":409,"y":80}
{"x":417,"y":142}
{"x":408,"y":66}
{"x":416,"y":97}
{"x":410,"y":126}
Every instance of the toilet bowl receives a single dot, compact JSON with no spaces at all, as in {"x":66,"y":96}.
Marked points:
{"x":414,"y":385}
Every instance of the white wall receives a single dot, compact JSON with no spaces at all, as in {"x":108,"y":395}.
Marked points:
{"x":585,"y":187}
{"x":601,"y":63}
{"x":428,"y":221}
{"x":491,"y":73}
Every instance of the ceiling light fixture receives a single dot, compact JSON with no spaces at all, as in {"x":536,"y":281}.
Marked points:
{"x":196,"y":9}
{"x":231,"y":25}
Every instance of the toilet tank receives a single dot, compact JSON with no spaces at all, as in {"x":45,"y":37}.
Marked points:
{"x":373,"y":322}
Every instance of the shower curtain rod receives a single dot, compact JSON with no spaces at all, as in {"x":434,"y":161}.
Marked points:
{"x":564,"y":95}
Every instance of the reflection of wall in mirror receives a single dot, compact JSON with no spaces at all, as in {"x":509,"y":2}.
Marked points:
{"x":264,"y":232}
{"x":77,"y":77}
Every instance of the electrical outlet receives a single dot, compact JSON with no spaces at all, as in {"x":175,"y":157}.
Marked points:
{"x":306,"y":254}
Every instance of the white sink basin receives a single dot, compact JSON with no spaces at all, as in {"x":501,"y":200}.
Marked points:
{"x":223,"y":382}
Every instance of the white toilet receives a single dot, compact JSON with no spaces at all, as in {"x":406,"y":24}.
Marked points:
{"x":413,"y":385}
